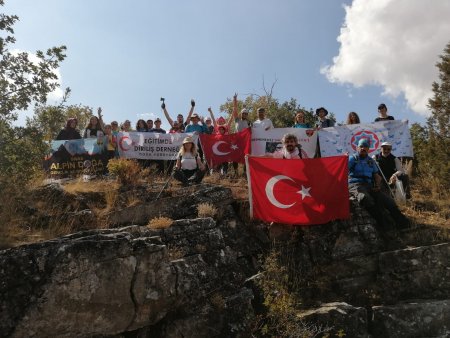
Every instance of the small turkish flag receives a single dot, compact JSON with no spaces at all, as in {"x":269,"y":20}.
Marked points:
{"x":226,"y":148}
{"x":308,"y":191}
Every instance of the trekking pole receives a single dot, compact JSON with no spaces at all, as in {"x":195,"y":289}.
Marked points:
{"x":169,"y":179}
{"x":387,"y":183}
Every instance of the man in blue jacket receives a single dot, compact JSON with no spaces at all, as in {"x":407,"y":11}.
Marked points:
{"x":364,"y":184}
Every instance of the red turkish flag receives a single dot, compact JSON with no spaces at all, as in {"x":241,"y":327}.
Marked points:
{"x":308,"y":191}
{"x":226,"y":148}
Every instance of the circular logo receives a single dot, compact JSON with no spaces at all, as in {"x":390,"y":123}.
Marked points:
{"x":370,"y":136}
{"x":125,"y":143}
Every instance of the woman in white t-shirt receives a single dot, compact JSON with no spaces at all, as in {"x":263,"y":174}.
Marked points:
{"x":189,"y":167}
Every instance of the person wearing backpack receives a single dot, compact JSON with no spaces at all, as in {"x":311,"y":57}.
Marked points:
{"x":364,"y":183}
{"x":189,"y":169}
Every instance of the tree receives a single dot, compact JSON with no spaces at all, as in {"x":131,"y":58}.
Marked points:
{"x":437,"y":162}
{"x":49,"y":120}
{"x":282,"y":115}
{"x":23,"y":81}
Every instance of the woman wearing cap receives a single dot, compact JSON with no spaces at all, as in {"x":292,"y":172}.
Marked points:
{"x":220,"y":122}
{"x":352,"y":118}
{"x":323,"y":122}
{"x":299,"y":120}
{"x":189,"y":168}
{"x":70,"y":131}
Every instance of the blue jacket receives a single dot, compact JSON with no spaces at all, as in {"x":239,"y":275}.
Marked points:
{"x":361,"y":170}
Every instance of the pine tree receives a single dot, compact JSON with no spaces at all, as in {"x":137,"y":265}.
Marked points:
{"x":438,"y":125}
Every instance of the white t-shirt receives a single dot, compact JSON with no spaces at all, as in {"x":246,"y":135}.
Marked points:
{"x":283,"y":153}
{"x":264,"y":124}
{"x":188,"y":162}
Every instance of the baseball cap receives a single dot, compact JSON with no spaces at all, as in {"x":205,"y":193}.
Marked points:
{"x":363,"y":142}
{"x":195,"y":115}
{"x":158,"y":119}
{"x":386,"y":144}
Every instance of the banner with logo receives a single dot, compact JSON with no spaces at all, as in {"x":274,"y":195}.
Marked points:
{"x":75,"y":157}
{"x":299,"y":191}
{"x":268,"y":141}
{"x":150,"y":146}
{"x":339,"y":140}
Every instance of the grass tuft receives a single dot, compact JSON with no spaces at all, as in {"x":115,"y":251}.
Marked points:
{"x":160,"y":223}
{"x":206,"y":210}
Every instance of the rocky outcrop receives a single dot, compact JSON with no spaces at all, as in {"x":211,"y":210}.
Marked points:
{"x":106,"y":282}
{"x":193,"y":279}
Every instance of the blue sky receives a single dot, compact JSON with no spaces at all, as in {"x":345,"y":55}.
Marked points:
{"x":123,"y":56}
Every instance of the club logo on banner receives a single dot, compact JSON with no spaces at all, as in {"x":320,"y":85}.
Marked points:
{"x":311,"y":191}
{"x":69,"y":158}
{"x":269,"y":141}
{"x":151,"y":146}
{"x":341,"y":139}
{"x":226,"y":148}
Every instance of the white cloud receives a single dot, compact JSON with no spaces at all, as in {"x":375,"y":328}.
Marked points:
{"x":395,"y":44}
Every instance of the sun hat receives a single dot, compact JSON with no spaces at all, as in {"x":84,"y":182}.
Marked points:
{"x":381,"y":106}
{"x":188,"y":139}
{"x":321,"y":108}
{"x":386,"y":144}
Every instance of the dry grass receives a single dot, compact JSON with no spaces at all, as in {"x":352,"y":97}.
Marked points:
{"x":217,"y":301}
{"x":128,"y":172}
{"x":160,"y":223}
{"x":78,"y":185}
{"x":206,"y":210}
{"x":430,"y":203}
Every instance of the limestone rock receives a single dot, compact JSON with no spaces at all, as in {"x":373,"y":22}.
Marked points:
{"x":340,"y":318}
{"x":424,"y":318}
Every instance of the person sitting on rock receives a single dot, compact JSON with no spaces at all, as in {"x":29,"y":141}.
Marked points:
{"x":189,"y":168}
{"x":392,"y":169}
{"x":291,"y":148}
{"x":364,"y":184}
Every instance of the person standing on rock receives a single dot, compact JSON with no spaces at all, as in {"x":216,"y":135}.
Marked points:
{"x":382,"y":114}
{"x":364,"y":184}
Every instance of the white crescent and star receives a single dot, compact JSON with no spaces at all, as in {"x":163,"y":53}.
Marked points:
{"x":217,"y":151}
{"x":270,"y":196}
{"x":122,"y":143}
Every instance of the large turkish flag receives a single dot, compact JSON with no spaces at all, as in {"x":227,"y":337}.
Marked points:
{"x":226,"y":148}
{"x":308,"y":191}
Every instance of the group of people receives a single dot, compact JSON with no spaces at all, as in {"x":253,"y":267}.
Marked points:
{"x":370,"y":178}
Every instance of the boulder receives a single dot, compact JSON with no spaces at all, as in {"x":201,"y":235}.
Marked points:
{"x":422,"y":318}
